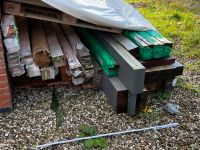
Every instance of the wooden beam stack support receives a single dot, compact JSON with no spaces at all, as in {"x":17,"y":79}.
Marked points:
{"x":81,"y":51}
{"x":40,"y":48}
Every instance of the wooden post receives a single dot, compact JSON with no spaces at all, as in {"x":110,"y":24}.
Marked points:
{"x":76,"y":69}
{"x":40,"y":48}
{"x":56,"y":52}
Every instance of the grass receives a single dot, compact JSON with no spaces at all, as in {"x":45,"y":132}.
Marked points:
{"x":162,"y":95}
{"x":57,"y":108}
{"x":179,"y":21}
{"x":150,"y":116}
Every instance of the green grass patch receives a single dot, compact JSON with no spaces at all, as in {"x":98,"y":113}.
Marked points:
{"x":150,"y":116}
{"x":57,"y":108}
{"x":162,"y":95}
{"x":189,"y":86}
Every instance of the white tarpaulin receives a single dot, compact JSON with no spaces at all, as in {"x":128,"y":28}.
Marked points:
{"x":108,"y":13}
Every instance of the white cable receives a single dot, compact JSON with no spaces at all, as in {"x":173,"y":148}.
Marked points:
{"x":108,"y":134}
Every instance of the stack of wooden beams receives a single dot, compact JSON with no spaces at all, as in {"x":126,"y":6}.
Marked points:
{"x":134,"y":76}
{"x":46,"y":48}
{"x":125,"y":66}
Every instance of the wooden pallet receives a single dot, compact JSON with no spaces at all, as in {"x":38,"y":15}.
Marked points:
{"x":37,"y":10}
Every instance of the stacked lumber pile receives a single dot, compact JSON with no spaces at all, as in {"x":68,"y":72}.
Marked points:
{"x":45,"y":48}
{"x":127,"y":74}
{"x":125,"y":65}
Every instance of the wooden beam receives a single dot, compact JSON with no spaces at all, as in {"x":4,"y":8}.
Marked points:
{"x":105,"y":60}
{"x":56,"y":52}
{"x":76,"y":69}
{"x":33,"y":70}
{"x":81,"y":51}
{"x":24,"y":40}
{"x":64,"y":73}
{"x":131,"y":72}
{"x":158,"y":62}
{"x":40,"y":48}
{"x":125,"y":42}
{"x":163,"y":72}
{"x":49,"y":73}
{"x":116,"y":93}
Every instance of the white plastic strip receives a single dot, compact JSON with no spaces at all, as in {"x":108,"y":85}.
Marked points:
{"x":108,"y":134}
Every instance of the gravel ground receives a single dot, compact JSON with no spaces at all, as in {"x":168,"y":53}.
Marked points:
{"x":32,"y":122}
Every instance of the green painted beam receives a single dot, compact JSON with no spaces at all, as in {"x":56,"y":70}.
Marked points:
{"x":105,"y":60}
{"x":152,"y":44}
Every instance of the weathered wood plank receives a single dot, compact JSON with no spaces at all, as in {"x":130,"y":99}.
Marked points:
{"x":33,"y":70}
{"x":125,"y":42}
{"x":76,"y":69}
{"x":64,"y":73}
{"x":131,"y":72}
{"x":40,"y":48}
{"x":56,"y":52}
{"x":159,"y":37}
{"x":81,"y":51}
{"x":49,"y":73}
{"x":116,"y":93}
{"x":25,"y":46}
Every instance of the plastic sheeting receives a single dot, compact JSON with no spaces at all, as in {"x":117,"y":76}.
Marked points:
{"x":108,"y":13}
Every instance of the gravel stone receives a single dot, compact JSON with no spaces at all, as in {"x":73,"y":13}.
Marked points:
{"x":32,"y":122}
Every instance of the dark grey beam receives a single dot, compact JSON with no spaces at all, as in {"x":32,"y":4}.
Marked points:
{"x":131,"y":71}
{"x":116,"y":93}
